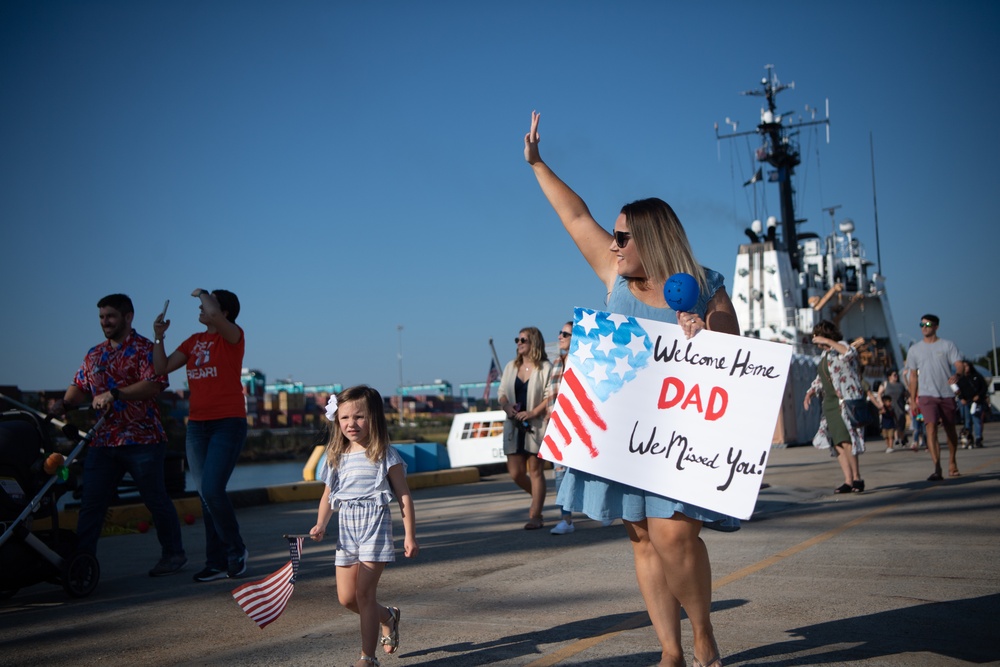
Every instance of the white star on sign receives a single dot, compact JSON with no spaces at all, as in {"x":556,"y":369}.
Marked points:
{"x":599,"y":374}
{"x":618,"y":319}
{"x":637,"y":345}
{"x":606,"y":344}
{"x":588,"y":320}
{"x":622,"y":367}
{"x":583,"y":352}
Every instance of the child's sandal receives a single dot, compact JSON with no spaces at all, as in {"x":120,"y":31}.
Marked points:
{"x":369,"y":659}
{"x":391,"y":640}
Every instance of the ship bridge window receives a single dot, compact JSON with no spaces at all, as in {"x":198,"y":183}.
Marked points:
{"x":851,"y":278}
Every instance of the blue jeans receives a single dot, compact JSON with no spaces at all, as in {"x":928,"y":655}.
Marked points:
{"x":103,"y":469}
{"x":973,"y":422}
{"x":213,"y":447}
{"x":558,"y":472}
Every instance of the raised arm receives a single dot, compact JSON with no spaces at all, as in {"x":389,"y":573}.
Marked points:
{"x":162,"y":364}
{"x":592,"y":240}
{"x":214,"y":316}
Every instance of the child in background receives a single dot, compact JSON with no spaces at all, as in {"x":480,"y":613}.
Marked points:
{"x":888,"y":424}
{"x":919,"y":432}
{"x":362,"y":474}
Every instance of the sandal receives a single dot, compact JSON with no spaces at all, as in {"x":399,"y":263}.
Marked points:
{"x":954,"y":473}
{"x":534,"y":524}
{"x":369,"y":659}
{"x":716,"y":661}
{"x":843,"y":488}
{"x":858,"y":486}
{"x":391,"y":641}
{"x":936,"y":477}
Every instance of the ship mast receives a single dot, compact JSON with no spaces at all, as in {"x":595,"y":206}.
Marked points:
{"x":780,"y":152}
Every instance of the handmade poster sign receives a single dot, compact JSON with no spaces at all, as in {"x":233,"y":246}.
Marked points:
{"x":691,"y":419}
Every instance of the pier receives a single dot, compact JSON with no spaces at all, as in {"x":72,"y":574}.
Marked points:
{"x":903,"y":574}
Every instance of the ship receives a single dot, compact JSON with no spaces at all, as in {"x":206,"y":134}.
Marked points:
{"x":787,"y":278}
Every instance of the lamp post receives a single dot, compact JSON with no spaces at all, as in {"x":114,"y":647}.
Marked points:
{"x":399,"y":328}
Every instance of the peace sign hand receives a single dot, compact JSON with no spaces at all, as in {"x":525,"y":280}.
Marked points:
{"x":531,"y":140}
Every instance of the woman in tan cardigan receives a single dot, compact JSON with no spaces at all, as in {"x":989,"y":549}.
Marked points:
{"x":522,"y":397}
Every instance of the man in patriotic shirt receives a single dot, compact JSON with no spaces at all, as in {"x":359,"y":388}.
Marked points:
{"x":118,"y":377}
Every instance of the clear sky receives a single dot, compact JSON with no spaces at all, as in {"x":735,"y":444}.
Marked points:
{"x":347,"y":168}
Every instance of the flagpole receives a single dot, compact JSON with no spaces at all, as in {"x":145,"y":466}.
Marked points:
{"x":496,"y":360}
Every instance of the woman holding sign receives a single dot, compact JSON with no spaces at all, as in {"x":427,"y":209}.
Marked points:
{"x":646,"y":247}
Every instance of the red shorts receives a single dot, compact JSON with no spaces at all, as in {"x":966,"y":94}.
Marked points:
{"x":937,"y":410}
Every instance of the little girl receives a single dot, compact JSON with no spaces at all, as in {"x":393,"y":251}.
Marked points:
{"x":361,"y":474}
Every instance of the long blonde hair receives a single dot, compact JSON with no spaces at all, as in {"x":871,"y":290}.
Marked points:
{"x":536,"y":348}
{"x":378,"y":428}
{"x":661,"y":242}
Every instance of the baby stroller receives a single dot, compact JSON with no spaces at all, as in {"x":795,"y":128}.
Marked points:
{"x":27,"y":492}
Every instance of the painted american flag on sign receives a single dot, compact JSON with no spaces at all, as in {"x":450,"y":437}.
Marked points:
{"x":609,"y":349}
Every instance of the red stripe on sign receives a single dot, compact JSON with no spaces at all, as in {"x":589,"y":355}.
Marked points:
{"x":563,"y":431}
{"x":556,"y":454}
{"x":583,"y":399}
{"x":577,"y":423}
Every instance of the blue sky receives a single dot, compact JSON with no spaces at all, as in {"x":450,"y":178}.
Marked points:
{"x":346,"y":168}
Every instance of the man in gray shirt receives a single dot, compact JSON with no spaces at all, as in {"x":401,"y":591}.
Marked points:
{"x":934,"y":364}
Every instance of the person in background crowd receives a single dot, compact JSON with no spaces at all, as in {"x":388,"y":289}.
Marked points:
{"x":898,"y":395}
{"x":522,"y":397}
{"x":972,"y":397}
{"x":933,"y":385}
{"x":838,"y":379}
{"x":565,"y":525}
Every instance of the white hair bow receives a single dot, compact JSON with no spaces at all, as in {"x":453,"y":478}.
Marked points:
{"x":331,"y":408}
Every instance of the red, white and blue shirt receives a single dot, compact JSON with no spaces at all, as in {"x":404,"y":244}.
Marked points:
{"x":106,"y":367}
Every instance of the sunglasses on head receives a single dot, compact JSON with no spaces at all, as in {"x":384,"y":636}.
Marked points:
{"x":621,"y":238}
{"x":520,"y":340}
{"x":565,"y":334}
{"x":927,"y":325}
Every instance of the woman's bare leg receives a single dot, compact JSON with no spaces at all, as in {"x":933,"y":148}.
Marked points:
{"x":663,"y":607}
{"x":536,"y":475}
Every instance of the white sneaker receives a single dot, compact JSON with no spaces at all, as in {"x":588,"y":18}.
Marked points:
{"x":889,"y":450}
{"x":563,"y":528}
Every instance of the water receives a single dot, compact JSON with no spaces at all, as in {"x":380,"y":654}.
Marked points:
{"x":259,"y":475}
{"x":245,"y":476}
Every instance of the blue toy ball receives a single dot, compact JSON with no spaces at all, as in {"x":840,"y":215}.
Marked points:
{"x":681,"y":292}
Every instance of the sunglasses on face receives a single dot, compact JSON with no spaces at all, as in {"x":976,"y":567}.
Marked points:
{"x":565,"y":334}
{"x":926,"y":325}
{"x":521,"y":340}
{"x":621,"y":238}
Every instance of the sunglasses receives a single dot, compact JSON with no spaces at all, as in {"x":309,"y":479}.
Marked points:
{"x":927,"y":325}
{"x":520,"y":340}
{"x":621,"y":238}
{"x":565,"y":334}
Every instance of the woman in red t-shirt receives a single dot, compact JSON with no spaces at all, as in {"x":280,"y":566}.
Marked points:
{"x":217,"y":422}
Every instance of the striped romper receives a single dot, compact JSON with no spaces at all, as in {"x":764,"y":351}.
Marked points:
{"x":360,"y":492}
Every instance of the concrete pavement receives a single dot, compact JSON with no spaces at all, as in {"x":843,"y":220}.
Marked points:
{"x":904,"y":574}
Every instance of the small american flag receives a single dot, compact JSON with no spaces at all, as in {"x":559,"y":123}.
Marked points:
{"x":491,"y":377}
{"x":264,"y":600}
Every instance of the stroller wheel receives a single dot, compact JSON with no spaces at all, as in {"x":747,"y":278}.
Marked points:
{"x":81,"y":574}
